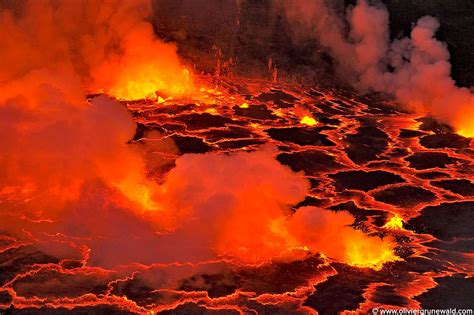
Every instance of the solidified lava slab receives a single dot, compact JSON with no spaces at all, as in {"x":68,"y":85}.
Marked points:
{"x":446,"y":221}
{"x":367,"y":144}
{"x":190,"y":144}
{"x":432,"y":175}
{"x":462,"y":187}
{"x":260,"y":112}
{"x":426,"y":160}
{"x":387,"y":295}
{"x":310,"y":161}
{"x":300,"y":136}
{"x":280,"y":98}
{"x":19,"y":259}
{"x":447,"y":140}
{"x":407,"y":133}
{"x":5,"y":298}
{"x":442,"y":297}
{"x":362,"y":214}
{"x":365,"y":181}
{"x":347,"y":288}
{"x":430,"y":124}
{"x":404,"y":196}
{"x":203,"y":121}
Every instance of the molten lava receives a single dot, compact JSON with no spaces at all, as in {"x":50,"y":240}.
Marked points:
{"x":307,"y":120}
{"x":370,"y":254}
{"x":145,"y":67}
{"x":395,"y":223}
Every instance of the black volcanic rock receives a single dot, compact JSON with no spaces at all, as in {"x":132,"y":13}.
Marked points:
{"x":16,"y":260}
{"x":300,"y":136}
{"x":426,"y":160}
{"x":203,"y":121}
{"x":346,"y":287}
{"x":260,"y":112}
{"x":404,"y":196}
{"x":431,"y":124}
{"x":407,"y":133}
{"x":365,"y":181}
{"x":239,"y":143}
{"x":309,"y":161}
{"x":331,"y":109}
{"x":217,"y":285}
{"x":446,"y":140}
{"x":367,"y":144}
{"x":175,"y":109}
{"x":231,"y":132}
{"x":387,"y":295}
{"x":143,"y":129}
{"x":278,"y":97}
{"x":327,"y":120}
{"x":432,"y":175}
{"x":462,"y":187}
{"x":451,"y":292}
{"x":281,"y":277}
{"x":361,"y":214}
{"x":190,"y":144}
{"x":5,"y":298}
{"x":310,"y":201}
{"x":445,"y":221}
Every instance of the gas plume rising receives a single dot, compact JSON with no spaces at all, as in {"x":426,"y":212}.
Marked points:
{"x":415,"y":69}
{"x":108,"y":45}
{"x":222,"y":200}
{"x":216,"y":205}
{"x":54,"y":141}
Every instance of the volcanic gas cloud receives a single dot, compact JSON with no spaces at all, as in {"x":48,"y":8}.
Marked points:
{"x":416,"y":70}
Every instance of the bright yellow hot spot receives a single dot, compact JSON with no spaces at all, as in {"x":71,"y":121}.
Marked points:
{"x":211,"y":111}
{"x":395,"y":223}
{"x":146,"y":83}
{"x":278,"y":112}
{"x":160,"y":100}
{"x":138,"y":193}
{"x":468,"y":133}
{"x":363,"y":259}
{"x":307,"y":120}
{"x":244,"y":105}
{"x":371,"y":254}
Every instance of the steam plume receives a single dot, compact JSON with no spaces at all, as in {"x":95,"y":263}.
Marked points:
{"x":53,"y":141}
{"x":239,"y":207}
{"x":416,"y":69}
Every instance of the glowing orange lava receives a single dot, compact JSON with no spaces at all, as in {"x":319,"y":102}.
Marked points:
{"x":467,"y":132}
{"x":371,"y":253}
{"x":146,"y":66}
